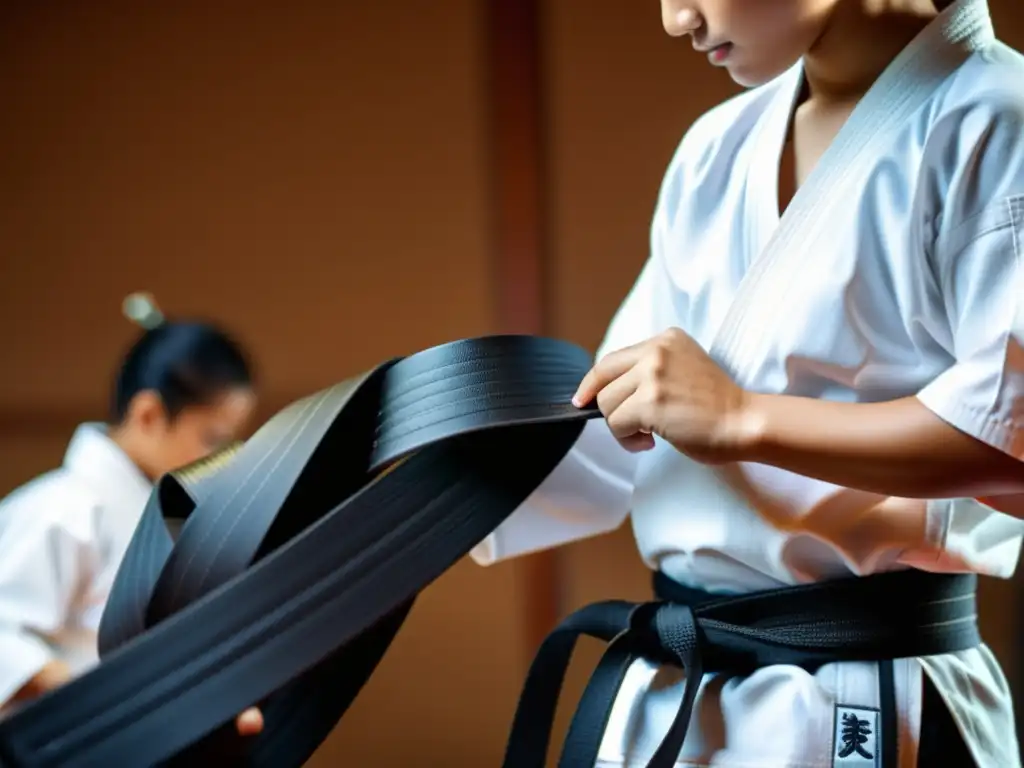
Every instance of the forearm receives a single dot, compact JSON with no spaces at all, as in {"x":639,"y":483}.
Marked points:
{"x":898,"y":448}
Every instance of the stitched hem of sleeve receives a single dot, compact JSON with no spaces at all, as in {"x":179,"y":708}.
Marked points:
{"x":988,"y":541}
{"x":1001,"y":435}
{"x":1009,"y":570}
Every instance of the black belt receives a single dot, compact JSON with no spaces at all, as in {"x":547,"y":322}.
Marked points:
{"x":302,"y":553}
{"x":301,"y":556}
{"x":876,"y":618}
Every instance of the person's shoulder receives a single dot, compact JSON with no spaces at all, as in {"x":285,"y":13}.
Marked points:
{"x":54,"y":500}
{"x":990,"y":80}
{"x":973,"y":137}
{"x":987,"y":89}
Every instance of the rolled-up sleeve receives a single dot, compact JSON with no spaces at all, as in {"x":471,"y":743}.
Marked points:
{"x":982,"y":393}
{"x":977,"y":255}
{"x":587,"y":494}
{"x":973,"y":536}
{"x":591,"y":490}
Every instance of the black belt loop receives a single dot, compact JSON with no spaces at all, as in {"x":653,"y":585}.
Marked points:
{"x":888,"y":714}
{"x":875,"y":618}
{"x":680,"y":634}
{"x":301,"y":554}
{"x":531,"y":728}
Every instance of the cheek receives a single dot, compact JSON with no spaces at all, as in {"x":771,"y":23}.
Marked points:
{"x":769,"y":41}
{"x":779,"y":25}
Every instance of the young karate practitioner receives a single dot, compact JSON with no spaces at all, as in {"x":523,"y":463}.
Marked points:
{"x":183,"y":390}
{"x":819,"y":369}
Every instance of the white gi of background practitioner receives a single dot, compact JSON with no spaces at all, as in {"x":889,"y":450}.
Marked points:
{"x":183,"y":390}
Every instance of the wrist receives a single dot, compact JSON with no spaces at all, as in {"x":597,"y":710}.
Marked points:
{"x":754,"y":426}
{"x":778,"y":429}
{"x":749,"y":428}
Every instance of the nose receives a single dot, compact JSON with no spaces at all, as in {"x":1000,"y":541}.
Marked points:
{"x":680,"y":21}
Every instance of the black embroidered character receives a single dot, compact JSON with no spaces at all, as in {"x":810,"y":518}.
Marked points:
{"x":855,"y":734}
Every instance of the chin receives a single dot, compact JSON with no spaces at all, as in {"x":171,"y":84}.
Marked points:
{"x":746,"y":80}
{"x":754,"y":76}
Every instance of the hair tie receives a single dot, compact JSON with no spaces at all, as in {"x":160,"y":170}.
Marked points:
{"x":142,"y":310}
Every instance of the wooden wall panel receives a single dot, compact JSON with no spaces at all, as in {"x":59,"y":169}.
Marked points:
{"x":316,"y":177}
{"x":520,"y":229}
{"x":320,"y":179}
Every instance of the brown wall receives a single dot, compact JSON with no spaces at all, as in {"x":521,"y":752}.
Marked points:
{"x":318,"y":179}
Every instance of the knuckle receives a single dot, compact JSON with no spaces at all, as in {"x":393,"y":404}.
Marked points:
{"x":657,"y":397}
{"x":658,"y":361}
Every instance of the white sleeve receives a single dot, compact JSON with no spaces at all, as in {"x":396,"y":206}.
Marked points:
{"x":591,"y":489}
{"x":587,"y":494}
{"x":978,"y":257}
{"x":39,"y":576}
{"x":969,"y":536}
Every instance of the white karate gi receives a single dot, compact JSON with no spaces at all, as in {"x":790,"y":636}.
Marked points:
{"x":897,"y":270}
{"x":62,"y":537}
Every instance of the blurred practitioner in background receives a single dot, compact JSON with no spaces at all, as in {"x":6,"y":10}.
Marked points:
{"x":183,"y":390}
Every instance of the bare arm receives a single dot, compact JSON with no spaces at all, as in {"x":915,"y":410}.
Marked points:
{"x":899,"y":448}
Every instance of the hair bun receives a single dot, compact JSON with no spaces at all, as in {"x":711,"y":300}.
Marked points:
{"x":142,"y":310}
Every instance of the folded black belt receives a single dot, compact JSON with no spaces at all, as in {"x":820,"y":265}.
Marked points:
{"x":301,"y":555}
{"x":876,"y":618}
{"x":303,"y":550}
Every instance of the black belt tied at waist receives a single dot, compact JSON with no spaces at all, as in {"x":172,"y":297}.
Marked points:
{"x":875,"y":618}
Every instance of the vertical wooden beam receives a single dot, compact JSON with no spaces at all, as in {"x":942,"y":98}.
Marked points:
{"x":520,"y":233}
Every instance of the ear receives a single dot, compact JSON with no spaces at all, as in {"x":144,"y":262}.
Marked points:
{"x":146,"y":412}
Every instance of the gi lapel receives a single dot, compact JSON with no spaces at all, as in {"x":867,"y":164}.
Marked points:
{"x":901,"y":89}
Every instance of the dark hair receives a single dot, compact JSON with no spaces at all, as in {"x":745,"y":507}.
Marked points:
{"x":185,"y":363}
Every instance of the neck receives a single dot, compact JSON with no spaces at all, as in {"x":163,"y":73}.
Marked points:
{"x":860,"y":40}
{"x":125,"y":439}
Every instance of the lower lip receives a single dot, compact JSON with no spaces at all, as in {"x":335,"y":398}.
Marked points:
{"x":720,"y":54}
